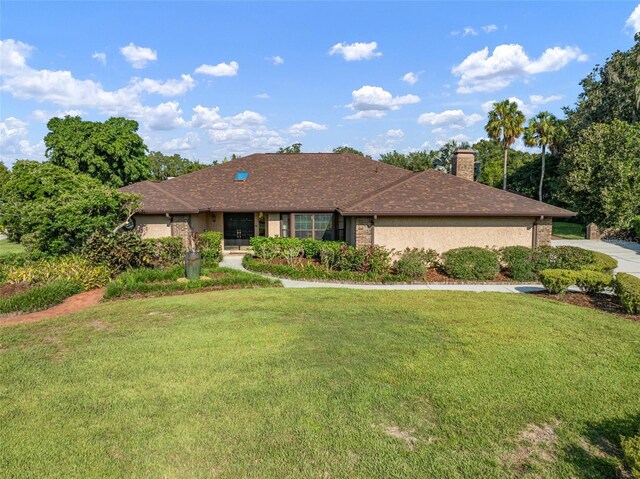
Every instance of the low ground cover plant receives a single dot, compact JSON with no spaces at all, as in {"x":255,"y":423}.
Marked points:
{"x":146,"y":281}
{"x":39,"y":297}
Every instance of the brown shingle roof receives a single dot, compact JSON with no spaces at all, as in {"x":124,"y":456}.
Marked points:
{"x":325,"y":182}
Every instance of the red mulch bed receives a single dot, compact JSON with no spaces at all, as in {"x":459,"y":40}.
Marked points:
{"x":7,"y":289}
{"x":435,"y":276}
{"x":599,"y":302}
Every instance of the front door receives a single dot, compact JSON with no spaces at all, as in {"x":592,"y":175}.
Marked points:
{"x":238,"y":228}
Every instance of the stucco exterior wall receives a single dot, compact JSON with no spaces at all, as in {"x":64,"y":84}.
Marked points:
{"x":443,"y":234}
{"x":153,"y":226}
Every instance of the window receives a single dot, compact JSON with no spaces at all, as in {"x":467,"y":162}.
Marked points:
{"x":284,"y":225}
{"x":242,"y":176}
{"x":304,"y":226}
{"x":323,"y":227}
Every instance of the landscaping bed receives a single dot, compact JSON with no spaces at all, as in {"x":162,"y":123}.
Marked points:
{"x":601,"y":302}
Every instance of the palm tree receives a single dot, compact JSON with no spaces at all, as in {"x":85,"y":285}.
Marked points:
{"x":504,"y":126}
{"x":544,"y":130}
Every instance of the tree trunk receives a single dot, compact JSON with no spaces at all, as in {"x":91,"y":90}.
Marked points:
{"x":504,"y":170}
{"x":544,"y":151}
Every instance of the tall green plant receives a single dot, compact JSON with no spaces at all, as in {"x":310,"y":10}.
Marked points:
{"x":505,"y":126}
{"x":544,"y":131}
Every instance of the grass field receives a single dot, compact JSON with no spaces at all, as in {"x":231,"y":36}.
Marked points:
{"x":320,"y":383}
{"x":7,"y":247}
{"x":565,"y":230}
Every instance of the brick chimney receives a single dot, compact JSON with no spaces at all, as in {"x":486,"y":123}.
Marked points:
{"x":463,"y":163}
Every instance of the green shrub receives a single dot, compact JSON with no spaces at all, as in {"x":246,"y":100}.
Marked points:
{"x":9,"y":260}
{"x":627,"y":287}
{"x":592,"y":282}
{"x":71,"y":268}
{"x":264,"y":247}
{"x":40,"y":297}
{"x":209,"y":244}
{"x":330,"y":253}
{"x":571,"y":257}
{"x":557,"y":281}
{"x":602,"y":263}
{"x":166,"y":251}
{"x":519,"y":264}
{"x":471,"y":263}
{"x":311,"y":248}
{"x":365,"y":259}
{"x":414,"y":262}
{"x":635,"y":225}
{"x":631,"y":454}
{"x":119,"y":251}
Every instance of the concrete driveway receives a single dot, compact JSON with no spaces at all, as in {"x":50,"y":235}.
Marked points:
{"x":627,"y":254}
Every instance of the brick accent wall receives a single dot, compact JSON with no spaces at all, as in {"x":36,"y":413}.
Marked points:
{"x":542,"y":234}
{"x":593,"y":232}
{"x":463,"y":164}
{"x":364,"y":231}
{"x":181,"y":226}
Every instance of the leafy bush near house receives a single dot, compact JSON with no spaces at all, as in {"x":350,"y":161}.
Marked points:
{"x":119,"y":251}
{"x":330,"y":253}
{"x":311,"y":248}
{"x":471,"y":263}
{"x":365,"y":259}
{"x":592,"y":282}
{"x":602,"y":263}
{"x":524,"y":264}
{"x":276,"y":247}
{"x":74,"y":269}
{"x":165,"y":252}
{"x":571,"y":257}
{"x":210,"y":245}
{"x":631,"y":453}
{"x":627,"y":287}
{"x":557,"y":281}
{"x":414,"y":262}
{"x":40,"y":297}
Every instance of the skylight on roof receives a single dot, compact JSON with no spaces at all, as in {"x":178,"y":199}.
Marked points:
{"x":242,"y":176}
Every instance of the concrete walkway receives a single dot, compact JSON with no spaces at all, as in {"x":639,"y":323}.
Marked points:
{"x":627,"y":253}
{"x":235,"y":261}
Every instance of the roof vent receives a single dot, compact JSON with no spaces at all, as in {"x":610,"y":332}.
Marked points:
{"x":241,"y":176}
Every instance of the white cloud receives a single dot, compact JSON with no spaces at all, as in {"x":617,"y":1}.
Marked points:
{"x":165,"y":116}
{"x":168,"y":88}
{"x":355,"y":51}
{"x":453,"y":119}
{"x":138,"y":57}
{"x":469,"y":31}
{"x":395,"y":133}
{"x":13,"y":57}
{"x":13,"y":142}
{"x":277,"y":60}
{"x":101,"y":57}
{"x":543,"y":100}
{"x":489,"y":28}
{"x":633,"y":22}
{"x":378,"y":101}
{"x":187,"y":142}
{"x":384,"y":143}
{"x":220,"y":70}
{"x":45,"y":116}
{"x":299,"y":129}
{"x":483,"y":72}
{"x":263,"y":96}
{"x":527,"y":109}
{"x":411,"y":78}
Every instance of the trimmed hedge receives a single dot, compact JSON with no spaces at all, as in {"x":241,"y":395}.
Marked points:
{"x":210,"y":246}
{"x":40,"y":297}
{"x":571,"y":257}
{"x":471,"y":263}
{"x":603,"y":263}
{"x":119,"y":251}
{"x":627,"y":287}
{"x":592,"y":282}
{"x":524,"y":264}
{"x":166,"y":251}
{"x":414,"y":262}
{"x":557,"y":281}
{"x":71,"y":268}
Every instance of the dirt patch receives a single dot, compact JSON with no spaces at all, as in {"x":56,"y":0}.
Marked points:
{"x":535,"y":445}
{"x":7,"y":290}
{"x":600,"y":302}
{"x":407,"y":436}
{"x":100,"y":325}
{"x":73,"y":304}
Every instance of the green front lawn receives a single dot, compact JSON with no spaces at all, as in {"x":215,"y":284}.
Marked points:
{"x":320,"y":383}
{"x":7,"y":247}
{"x":566,"y":230}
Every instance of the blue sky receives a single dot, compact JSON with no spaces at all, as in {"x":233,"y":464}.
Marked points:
{"x":208,"y":79}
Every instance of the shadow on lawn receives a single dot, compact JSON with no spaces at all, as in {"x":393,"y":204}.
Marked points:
{"x":599,"y":454}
